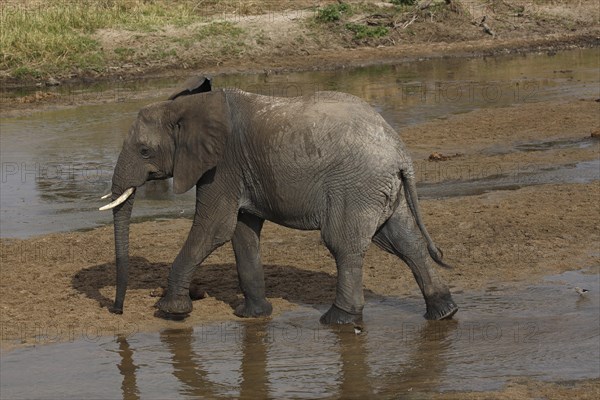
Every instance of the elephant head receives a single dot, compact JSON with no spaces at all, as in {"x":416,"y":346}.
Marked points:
{"x":182,"y":138}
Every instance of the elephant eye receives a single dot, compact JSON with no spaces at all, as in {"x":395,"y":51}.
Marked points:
{"x":145,"y":152}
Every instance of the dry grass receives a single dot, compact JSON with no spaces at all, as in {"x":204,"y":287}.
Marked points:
{"x":39,"y":38}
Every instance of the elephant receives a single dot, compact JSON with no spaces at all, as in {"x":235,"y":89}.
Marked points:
{"x":325,"y":161}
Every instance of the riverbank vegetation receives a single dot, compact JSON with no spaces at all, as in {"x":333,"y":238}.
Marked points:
{"x":40,"y":38}
{"x":73,"y":40}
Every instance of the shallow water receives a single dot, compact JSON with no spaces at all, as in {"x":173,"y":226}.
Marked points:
{"x":544,"y":332}
{"x":528,"y":175}
{"x":56,"y":164}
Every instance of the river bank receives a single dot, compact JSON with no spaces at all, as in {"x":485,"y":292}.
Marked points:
{"x":140,"y":41}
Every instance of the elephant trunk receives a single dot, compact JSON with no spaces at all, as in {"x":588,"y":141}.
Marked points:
{"x":122,"y":196}
{"x":122,"y":216}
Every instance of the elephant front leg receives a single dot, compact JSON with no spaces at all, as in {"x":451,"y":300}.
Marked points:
{"x":246,"y":246}
{"x":212,"y":227}
{"x":177,"y":299}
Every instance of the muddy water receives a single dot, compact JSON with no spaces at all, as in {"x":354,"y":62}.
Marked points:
{"x":56,"y":164}
{"x":545,"y":332}
{"x":582,"y":172}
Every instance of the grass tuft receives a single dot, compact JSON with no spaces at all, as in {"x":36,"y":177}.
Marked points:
{"x":364,"y":31}
{"x":333,"y":12}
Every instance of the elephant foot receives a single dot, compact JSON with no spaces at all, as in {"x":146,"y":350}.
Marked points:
{"x":440,"y":307}
{"x":252,"y":309}
{"x":179,"y":306}
{"x":116,"y":310}
{"x":337,"y":316}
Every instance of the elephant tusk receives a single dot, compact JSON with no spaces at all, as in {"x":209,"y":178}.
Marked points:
{"x":106,"y":196}
{"x":119,"y":200}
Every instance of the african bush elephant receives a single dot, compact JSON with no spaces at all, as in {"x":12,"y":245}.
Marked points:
{"x":324,"y":162}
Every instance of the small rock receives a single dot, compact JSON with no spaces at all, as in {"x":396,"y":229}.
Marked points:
{"x":435,"y":156}
{"x":582,"y":292}
{"x":52,"y":82}
{"x":158,"y":292}
{"x":596,"y":134}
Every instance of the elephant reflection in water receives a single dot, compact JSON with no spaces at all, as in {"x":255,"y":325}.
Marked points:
{"x":424,"y":369}
{"x":425,"y":366}
{"x":128,"y":369}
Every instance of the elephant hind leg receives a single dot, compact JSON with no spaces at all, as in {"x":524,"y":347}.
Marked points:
{"x":246,"y":246}
{"x":401,"y":236}
{"x":347,"y":233}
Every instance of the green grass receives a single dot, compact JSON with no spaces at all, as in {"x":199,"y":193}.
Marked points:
{"x":333,"y":12}
{"x":124,"y":53}
{"x":224,"y":28}
{"x":337,"y":13}
{"x":29,"y":38}
{"x":364,"y":31}
{"x":58,"y":35}
{"x":24,"y":72}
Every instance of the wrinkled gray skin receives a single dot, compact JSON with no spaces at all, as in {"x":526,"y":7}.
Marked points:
{"x":324,"y":162}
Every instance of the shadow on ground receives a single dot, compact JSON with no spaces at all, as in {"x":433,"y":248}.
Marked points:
{"x":217,"y":280}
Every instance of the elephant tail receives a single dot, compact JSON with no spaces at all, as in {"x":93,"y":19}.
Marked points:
{"x":410,"y":191}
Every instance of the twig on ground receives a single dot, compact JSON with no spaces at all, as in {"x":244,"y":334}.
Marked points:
{"x":407,"y":24}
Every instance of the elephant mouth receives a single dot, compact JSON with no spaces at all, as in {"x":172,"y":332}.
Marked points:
{"x":119,"y":200}
{"x":154,"y":176}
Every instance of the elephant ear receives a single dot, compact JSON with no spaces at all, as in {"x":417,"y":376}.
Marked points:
{"x":196,"y":84}
{"x":204,"y":128}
